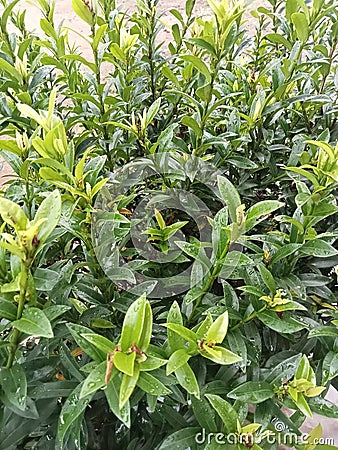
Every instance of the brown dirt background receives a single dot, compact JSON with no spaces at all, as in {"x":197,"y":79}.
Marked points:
{"x":64,"y":14}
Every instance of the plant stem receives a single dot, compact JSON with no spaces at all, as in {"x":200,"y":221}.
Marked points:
{"x":21,"y":303}
{"x":205,"y":115}
{"x":214,"y":274}
{"x":249,"y":318}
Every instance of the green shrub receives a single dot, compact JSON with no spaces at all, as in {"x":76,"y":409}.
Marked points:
{"x":167,"y":252}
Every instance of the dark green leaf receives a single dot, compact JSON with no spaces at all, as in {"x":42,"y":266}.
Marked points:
{"x":8,"y":310}
{"x":100,"y":342}
{"x":323,"y":331}
{"x":94,"y":381}
{"x":127,"y":386}
{"x":84,"y":344}
{"x":112,"y":393}
{"x":318,"y":247}
{"x":175,"y":341}
{"x":187,"y":380}
{"x":281,"y":325}
{"x":182,"y":439}
{"x":252,"y":392}
{"x":152,"y":385}
{"x":230,"y":196}
{"x":14,"y":384}
{"x":184,"y":332}
{"x":226,"y":412}
{"x":73,"y":408}
{"x":268,"y":279}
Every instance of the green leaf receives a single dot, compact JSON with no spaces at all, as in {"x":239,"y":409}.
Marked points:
{"x":193,"y":294}
{"x":52,"y":389}
{"x":152,"y":111}
{"x":117,"y":52}
{"x":284,"y":251}
{"x":127,"y":386}
{"x":14,"y":384}
{"x":152,"y":363}
{"x":259,"y":211}
{"x":98,"y":35}
{"x":34,"y":322}
{"x":152,"y":385}
{"x":268,"y":279}
{"x":125,"y":362}
{"x":175,"y":341}
{"x":184,"y":332}
{"x":254,"y":290}
{"x":45,"y":279}
{"x":181,"y":439}
{"x":190,"y":122}
{"x":325,"y":147}
{"x":204,"y":326}
{"x":204,"y":414}
{"x":82,"y":10}
{"x":323,"y":407}
{"x":330,"y":367}
{"x":226,"y":412}
{"x":291,"y":7}
{"x":285,"y":369}
{"x":279,"y":39}
{"x":134,"y":323}
{"x":177,"y":360}
{"x":252,"y":392}
{"x":305,"y":173}
{"x":319,"y":248}
{"x":10,"y":70}
{"x":218,"y":329}
{"x":8,"y":310}
{"x":304,"y":370}
{"x":48,"y":29}
{"x":91,"y":350}
{"x":147,"y":328}
{"x":186,"y":377}
{"x":202,"y":43}
{"x":12,"y":214}
{"x":6,"y":13}
{"x":94,"y":381}
{"x":169,"y":74}
{"x":301,"y":24}
{"x":29,"y":112}
{"x":285,"y":325}
{"x":220,"y":355}
{"x":55,"y":311}
{"x":100,"y":342}
{"x":189,"y":6}
{"x":102,"y":323}
{"x":199,"y":65}
{"x":98,"y":186}
{"x":10,"y":145}
{"x":73,"y":408}
{"x":237,"y":344}
{"x":303,"y":405}
{"x":70,"y":363}
{"x":50,"y":209}
{"x":323,"y":331}
{"x":112,"y":394}
{"x":230,"y":196}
